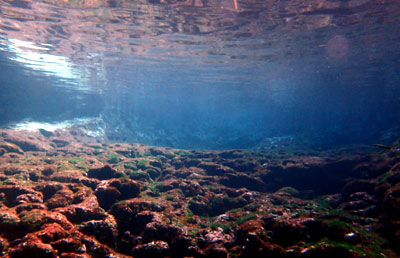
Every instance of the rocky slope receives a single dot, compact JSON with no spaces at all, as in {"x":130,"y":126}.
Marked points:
{"x":64,"y":194}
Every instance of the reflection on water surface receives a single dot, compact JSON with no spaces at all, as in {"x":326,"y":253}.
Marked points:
{"x":272,"y":68}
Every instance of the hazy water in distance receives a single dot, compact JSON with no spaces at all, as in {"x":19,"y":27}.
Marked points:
{"x":210,"y":74}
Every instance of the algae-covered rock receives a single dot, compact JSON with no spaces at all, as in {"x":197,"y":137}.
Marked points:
{"x":103,"y":173}
{"x":153,"y":249}
{"x":67,"y":203}
{"x":111,"y":191}
{"x":10,"y":147}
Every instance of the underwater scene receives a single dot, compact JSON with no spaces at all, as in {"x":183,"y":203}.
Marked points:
{"x":199,"y":128}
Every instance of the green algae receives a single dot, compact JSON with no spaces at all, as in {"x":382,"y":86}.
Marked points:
{"x":142,"y":164}
{"x":241,"y":220}
{"x":361,"y":250}
{"x":190,"y":212}
{"x":182,"y":153}
{"x":130,"y":165}
{"x":250,"y":207}
{"x":75,"y":163}
{"x":372,"y":242}
{"x":155,"y":189}
{"x":191,"y":220}
{"x":217,"y":225}
{"x":139,"y":175}
{"x":113,"y":159}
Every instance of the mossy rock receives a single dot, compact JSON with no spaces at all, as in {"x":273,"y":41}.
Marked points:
{"x":155,"y":151}
{"x":156,"y":163}
{"x":8,"y":221}
{"x":113,"y":159}
{"x":103,"y":173}
{"x":33,"y":220}
{"x":139,"y":175}
{"x":153,"y":173}
{"x":142,"y":164}
{"x":130,"y":165}
{"x":290,"y":191}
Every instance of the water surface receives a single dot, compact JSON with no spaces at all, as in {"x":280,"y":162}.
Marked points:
{"x":206,"y":74}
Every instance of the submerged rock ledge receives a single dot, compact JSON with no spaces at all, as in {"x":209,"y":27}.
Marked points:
{"x":65,"y":194}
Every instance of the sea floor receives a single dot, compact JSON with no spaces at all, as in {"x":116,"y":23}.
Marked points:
{"x":67,"y":194}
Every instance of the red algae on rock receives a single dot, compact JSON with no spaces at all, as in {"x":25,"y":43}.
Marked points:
{"x":63,"y":194}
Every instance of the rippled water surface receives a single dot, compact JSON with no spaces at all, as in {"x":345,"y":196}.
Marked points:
{"x":206,"y":73}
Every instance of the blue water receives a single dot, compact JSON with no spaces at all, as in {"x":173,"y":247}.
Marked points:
{"x":206,"y":74}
